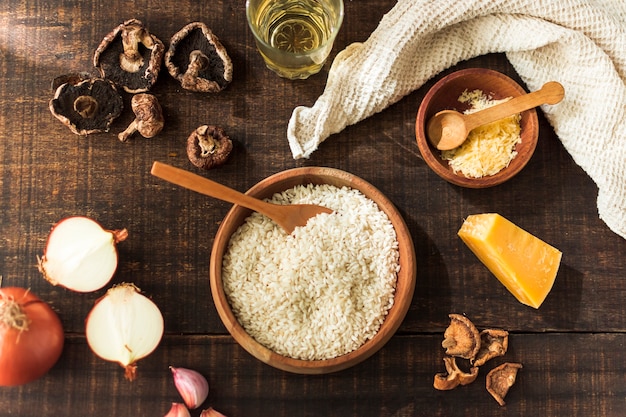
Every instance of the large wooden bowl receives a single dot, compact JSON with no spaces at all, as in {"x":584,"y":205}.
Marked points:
{"x":405,"y":280}
{"x":444,"y":95}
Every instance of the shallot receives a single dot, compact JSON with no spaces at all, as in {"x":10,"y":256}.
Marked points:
{"x":191,"y":385}
{"x":124,"y":326}
{"x":211,"y":412}
{"x":178,"y":410}
{"x":80,"y":254}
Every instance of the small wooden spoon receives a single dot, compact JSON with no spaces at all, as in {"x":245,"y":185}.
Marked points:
{"x":286,"y":216}
{"x":449,"y":129}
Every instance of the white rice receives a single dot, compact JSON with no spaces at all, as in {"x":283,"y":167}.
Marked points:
{"x":322,"y":291}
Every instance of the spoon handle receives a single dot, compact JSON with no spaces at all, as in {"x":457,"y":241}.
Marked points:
{"x":206,"y":186}
{"x":551,"y":93}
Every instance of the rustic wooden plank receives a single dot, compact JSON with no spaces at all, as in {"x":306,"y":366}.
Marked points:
{"x":561,"y":376}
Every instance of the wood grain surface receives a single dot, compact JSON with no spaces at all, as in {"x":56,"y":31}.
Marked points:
{"x":572,"y":348}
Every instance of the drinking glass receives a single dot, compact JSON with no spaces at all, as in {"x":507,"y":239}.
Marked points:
{"x":294,"y":37}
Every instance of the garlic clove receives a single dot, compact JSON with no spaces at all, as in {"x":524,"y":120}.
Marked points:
{"x":211,"y":412}
{"x":191,"y":385}
{"x":124,"y":326}
{"x":178,"y":410}
{"x":80,"y":254}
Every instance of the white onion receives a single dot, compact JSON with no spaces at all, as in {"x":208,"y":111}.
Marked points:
{"x":124,"y":326}
{"x":80,"y":254}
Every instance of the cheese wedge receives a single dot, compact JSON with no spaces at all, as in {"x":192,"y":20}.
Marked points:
{"x":526,"y":265}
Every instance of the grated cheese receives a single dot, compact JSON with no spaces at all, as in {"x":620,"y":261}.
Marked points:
{"x":488,"y":149}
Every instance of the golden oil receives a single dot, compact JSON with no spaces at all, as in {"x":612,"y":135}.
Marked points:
{"x":295,"y":36}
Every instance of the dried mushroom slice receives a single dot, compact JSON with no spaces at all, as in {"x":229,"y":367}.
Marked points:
{"x":501,"y":379}
{"x":208,"y":147}
{"x":493,"y":343}
{"x":87,"y":107}
{"x":454,"y":376}
{"x":461,"y":338}
{"x":130,"y":57}
{"x":197,"y":59}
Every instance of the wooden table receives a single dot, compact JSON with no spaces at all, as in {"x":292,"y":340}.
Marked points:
{"x":572,"y":348}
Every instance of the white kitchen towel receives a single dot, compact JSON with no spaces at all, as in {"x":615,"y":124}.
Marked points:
{"x":580,"y":43}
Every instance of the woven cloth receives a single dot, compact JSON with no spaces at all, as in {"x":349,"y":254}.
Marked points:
{"x":580,"y":43}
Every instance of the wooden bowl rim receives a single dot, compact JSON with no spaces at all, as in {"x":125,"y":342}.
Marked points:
{"x":530,"y":131}
{"x":405,"y":281}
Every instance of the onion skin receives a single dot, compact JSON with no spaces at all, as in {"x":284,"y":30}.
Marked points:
{"x":26,"y":355}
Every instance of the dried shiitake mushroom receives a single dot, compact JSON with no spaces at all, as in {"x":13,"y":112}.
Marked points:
{"x":461,"y":338}
{"x":454,"y":376}
{"x":493,"y":343}
{"x":70,"y":78}
{"x":198,"y":60}
{"x":90,"y":106}
{"x":148,"y":117}
{"x":208,"y":147}
{"x":501,"y":379}
{"x":130,"y":56}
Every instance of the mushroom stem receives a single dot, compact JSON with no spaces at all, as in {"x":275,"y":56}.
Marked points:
{"x":206,"y":142}
{"x":197,"y":62}
{"x":132,"y":36}
{"x":129,"y":131}
{"x":86,"y":106}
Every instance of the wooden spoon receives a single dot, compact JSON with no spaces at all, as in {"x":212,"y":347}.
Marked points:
{"x":449,"y":129}
{"x":286,"y":216}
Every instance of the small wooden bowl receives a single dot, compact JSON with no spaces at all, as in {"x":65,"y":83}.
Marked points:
{"x":405,"y":280}
{"x":444,"y":95}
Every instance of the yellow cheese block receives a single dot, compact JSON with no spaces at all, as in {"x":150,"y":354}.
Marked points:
{"x":525,"y":264}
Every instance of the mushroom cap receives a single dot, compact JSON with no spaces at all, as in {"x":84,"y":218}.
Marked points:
{"x":500,"y":379}
{"x":71,"y":78}
{"x":208,"y":147}
{"x":493,"y":343}
{"x":214,"y":74}
{"x":108,"y":105}
{"x":107,"y":58}
{"x":148,"y":113}
{"x":148,"y":120}
{"x":461,"y":338}
{"x":454,"y":376}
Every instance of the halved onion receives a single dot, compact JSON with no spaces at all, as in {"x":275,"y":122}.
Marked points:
{"x":124,"y":326}
{"x":80,"y":254}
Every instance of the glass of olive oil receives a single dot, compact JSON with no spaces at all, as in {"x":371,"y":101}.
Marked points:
{"x":294,"y":37}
